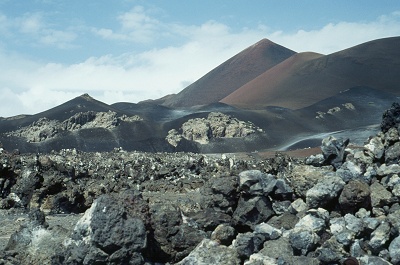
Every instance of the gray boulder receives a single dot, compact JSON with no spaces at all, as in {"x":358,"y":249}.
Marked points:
{"x":392,"y":154}
{"x":376,"y":146}
{"x":246,"y":244}
{"x":379,"y":237}
{"x":394,"y":250}
{"x":224,"y":234}
{"x":303,"y":240}
{"x":108,"y":233}
{"x":380,"y":196}
{"x":324,"y":191}
{"x":355,"y":195}
{"x":252,"y":210}
{"x":210,"y":252}
{"x":254,"y":182}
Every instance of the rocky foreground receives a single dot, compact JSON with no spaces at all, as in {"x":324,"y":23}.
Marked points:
{"x":338,"y":207}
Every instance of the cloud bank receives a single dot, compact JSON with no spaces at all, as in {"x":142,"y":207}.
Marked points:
{"x":29,"y":86}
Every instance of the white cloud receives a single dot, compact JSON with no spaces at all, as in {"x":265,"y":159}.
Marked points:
{"x":31,"y":29}
{"x":30,"y":23}
{"x":338,"y":36}
{"x":135,"y":26}
{"x":30,"y":87}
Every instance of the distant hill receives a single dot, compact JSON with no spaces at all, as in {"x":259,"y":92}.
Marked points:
{"x":230,"y":75}
{"x":307,"y":78}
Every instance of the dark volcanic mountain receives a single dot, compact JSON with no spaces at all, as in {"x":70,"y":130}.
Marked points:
{"x":231,"y":75}
{"x":305,"y":79}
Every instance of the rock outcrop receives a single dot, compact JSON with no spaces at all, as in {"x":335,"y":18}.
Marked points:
{"x":44,"y":128}
{"x":216,"y":125}
{"x":183,"y":208}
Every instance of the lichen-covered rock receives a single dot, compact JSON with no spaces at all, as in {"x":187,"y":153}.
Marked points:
{"x":44,"y":129}
{"x":224,"y":234}
{"x":324,"y":191}
{"x":394,"y":250}
{"x":379,"y":237}
{"x":379,"y":195}
{"x":303,"y":240}
{"x":216,"y":125}
{"x":107,"y":233}
{"x":304,"y":177}
{"x":392,"y":154}
{"x":210,"y":252}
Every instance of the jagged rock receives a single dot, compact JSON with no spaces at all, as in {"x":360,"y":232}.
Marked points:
{"x":315,"y":160}
{"x":254,"y":182}
{"x":173,"y":236}
{"x":333,"y":150}
{"x":330,"y":252}
{"x":303,"y":240}
{"x":349,"y":171}
{"x":252,"y":210}
{"x":355,"y":195}
{"x":391,"y":118}
{"x":224,"y":234}
{"x":344,"y":235}
{"x":374,"y":260}
{"x":34,"y":243}
{"x":298,"y":206}
{"x":281,"y":207}
{"x":379,"y":195}
{"x":210,"y":252}
{"x":283,"y":190}
{"x":324,"y":191}
{"x":392,"y":154}
{"x":394,"y":250}
{"x":221,"y":194}
{"x":267,"y":232}
{"x":107,"y":233}
{"x":246,"y":244}
{"x":394,"y":219}
{"x":376,"y":146}
{"x":260,"y":259}
{"x":279,"y":249}
{"x":391,"y":137}
{"x":315,"y":221}
{"x":385,"y":170}
{"x":285,"y":221}
{"x":304,"y":177}
{"x":209,"y":219}
{"x":354,"y":224}
{"x":379,"y":237}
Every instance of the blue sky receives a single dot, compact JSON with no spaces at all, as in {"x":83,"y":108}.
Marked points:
{"x":130,"y":50}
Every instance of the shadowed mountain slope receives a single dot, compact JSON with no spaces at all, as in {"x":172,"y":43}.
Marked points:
{"x":82,"y":103}
{"x":231,"y":75}
{"x":306,"y":78}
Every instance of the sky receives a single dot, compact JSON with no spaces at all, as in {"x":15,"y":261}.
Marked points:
{"x":52,"y":51}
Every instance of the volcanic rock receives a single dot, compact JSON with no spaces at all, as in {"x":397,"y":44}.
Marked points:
{"x":216,"y":125}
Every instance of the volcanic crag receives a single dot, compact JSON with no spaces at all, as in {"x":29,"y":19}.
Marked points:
{"x":119,"y":207}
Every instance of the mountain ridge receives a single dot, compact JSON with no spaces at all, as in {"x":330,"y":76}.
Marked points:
{"x":229,"y":75}
{"x":370,"y":64}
